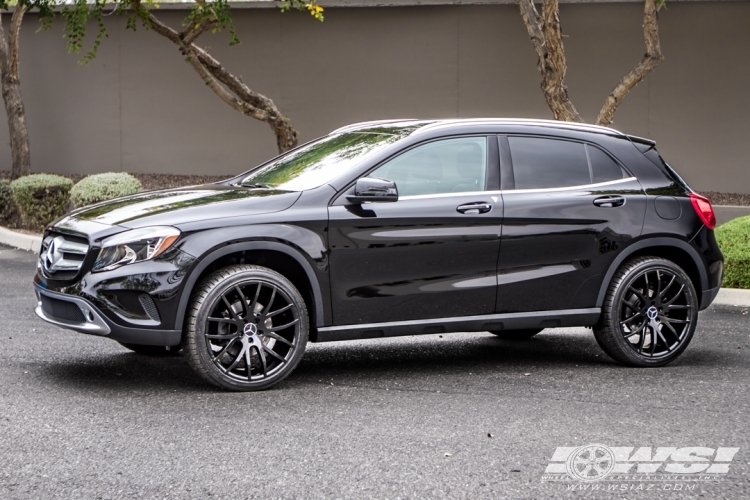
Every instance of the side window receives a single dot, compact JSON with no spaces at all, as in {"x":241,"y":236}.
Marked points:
{"x":548,"y":163}
{"x":446,"y":166}
{"x":603,"y":167}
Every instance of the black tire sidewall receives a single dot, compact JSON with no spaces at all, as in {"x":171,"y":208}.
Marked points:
{"x":609,"y":335}
{"x":216,"y":285}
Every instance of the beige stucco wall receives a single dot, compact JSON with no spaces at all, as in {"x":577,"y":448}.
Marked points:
{"x":140,"y":108}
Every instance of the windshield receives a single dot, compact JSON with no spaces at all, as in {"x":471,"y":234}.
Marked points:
{"x":319,"y":162}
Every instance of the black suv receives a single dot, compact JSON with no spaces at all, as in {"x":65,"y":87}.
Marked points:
{"x":395,"y":228}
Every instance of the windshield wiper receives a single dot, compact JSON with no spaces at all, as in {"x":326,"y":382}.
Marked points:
{"x":256,"y":186}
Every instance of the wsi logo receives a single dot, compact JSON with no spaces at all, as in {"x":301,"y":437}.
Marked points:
{"x":597,"y":462}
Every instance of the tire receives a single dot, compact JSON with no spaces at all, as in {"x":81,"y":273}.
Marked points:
{"x":153,"y":350}
{"x":649,"y":313}
{"x":516,"y":334}
{"x":234,"y":353}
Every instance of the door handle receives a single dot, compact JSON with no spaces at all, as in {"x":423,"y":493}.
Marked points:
{"x":609,"y":201}
{"x":474,"y":208}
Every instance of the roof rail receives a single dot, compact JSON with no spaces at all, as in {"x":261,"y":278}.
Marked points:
{"x":355,"y":126}
{"x":523,"y":121}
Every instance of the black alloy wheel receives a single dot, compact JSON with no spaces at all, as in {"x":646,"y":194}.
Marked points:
{"x":247,"y":328}
{"x":649,"y":314}
{"x":516,"y":334}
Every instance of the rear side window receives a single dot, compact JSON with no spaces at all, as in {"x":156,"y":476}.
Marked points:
{"x":548,"y":163}
{"x":540,"y":163}
{"x":603,"y":167}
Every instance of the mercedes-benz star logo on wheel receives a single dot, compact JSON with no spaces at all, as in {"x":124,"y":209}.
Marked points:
{"x":251,"y":329}
{"x":591,"y":463}
{"x":54,"y":254}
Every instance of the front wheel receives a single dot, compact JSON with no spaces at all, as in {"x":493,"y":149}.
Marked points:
{"x":516,"y":334}
{"x":247,"y":328}
{"x":649,"y":313}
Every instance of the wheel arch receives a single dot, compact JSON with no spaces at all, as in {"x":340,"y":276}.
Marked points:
{"x":280,"y":257}
{"x":672,"y":249}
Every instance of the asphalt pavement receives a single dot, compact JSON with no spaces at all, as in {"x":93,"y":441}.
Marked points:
{"x":462,"y":415}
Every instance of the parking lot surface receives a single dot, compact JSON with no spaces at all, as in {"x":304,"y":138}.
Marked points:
{"x":454,"y":416}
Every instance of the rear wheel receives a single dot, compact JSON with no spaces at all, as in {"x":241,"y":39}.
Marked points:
{"x":247,"y":328}
{"x":153,"y":350}
{"x":516,"y":334}
{"x":649,"y":313}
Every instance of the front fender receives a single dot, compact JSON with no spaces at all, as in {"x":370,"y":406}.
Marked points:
{"x":305,"y":246}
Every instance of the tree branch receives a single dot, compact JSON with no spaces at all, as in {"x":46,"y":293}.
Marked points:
{"x":191,"y":33}
{"x":233,"y":91}
{"x":650,"y":60}
{"x":546,"y":37}
{"x":13,"y":34}
{"x":4,"y":66}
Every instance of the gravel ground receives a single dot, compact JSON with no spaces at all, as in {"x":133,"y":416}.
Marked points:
{"x":82,"y":417}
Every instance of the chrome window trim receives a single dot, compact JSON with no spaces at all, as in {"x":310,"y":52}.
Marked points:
{"x":570,"y":188}
{"x":510,"y":191}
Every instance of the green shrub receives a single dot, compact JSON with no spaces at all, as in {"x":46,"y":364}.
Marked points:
{"x":103,"y":187}
{"x":41,"y":198}
{"x":734,"y":241}
{"x":7,"y":205}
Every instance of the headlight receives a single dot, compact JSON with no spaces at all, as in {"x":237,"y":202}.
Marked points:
{"x":136,"y":245}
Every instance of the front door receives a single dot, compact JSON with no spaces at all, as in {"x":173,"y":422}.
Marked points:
{"x":433,"y":253}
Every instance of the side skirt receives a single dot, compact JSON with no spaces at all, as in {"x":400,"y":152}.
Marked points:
{"x":510,"y":321}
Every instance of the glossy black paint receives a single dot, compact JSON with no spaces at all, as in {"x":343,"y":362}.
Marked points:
{"x":524,"y":256}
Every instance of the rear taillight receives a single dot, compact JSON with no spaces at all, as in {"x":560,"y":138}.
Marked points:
{"x":704,"y":210}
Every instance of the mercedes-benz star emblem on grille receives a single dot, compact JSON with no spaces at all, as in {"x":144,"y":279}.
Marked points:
{"x":54,"y":254}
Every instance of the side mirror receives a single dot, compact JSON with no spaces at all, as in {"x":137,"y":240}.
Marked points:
{"x":374,"y":190}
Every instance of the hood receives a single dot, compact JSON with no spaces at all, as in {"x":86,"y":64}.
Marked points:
{"x":172,"y":207}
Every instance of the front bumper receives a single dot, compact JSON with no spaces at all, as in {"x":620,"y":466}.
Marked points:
{"x":76,"y":313}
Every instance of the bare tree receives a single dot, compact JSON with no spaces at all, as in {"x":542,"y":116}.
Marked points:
{"x":10,"y":84}
{"x":206,"y":15}
{"x":229,"y":87}
{"x":546,"y":37}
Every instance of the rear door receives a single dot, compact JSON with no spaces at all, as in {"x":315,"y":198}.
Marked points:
{"x":569,"y":207}
{"x":431,"y":254}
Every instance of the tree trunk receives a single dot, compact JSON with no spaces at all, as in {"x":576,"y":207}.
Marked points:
{"x":11,"y":90}
{"x":546,"y":37}
{"x":230,"y":88}
{"x":650,"y":60}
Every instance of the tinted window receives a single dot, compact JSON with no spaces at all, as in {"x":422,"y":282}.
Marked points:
{"x":603,"y":167}
{"x":319,"y":162}
{"x":548,"y":163}
{"x":447,"y":166}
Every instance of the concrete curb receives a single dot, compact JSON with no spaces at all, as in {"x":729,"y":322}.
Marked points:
{"x":19,"y":240}
{"x":726,"y":213}
{"x":733,"y":297}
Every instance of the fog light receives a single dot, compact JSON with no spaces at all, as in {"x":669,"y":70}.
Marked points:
{"x":89,"y":315}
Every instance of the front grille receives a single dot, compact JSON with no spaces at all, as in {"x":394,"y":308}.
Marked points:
{"x":148,"y":305}
{"x":62,"y":255}
{"x":62,"y":309}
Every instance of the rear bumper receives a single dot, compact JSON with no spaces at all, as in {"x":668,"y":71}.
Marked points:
{"x":78,"y":314}
{"x":708,"y":296}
